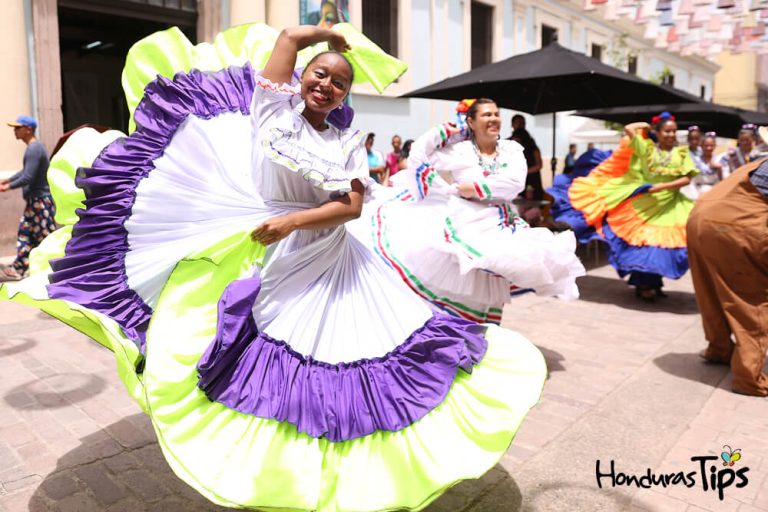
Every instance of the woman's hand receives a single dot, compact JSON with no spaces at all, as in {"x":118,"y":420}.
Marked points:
{"x":337,"y":42}
{"x":273,"y":230}
{"x":655,"y":188}
{"x":451,"y":129}
{"x":466,"y":190}
{"x":279,"y":67}
{"x":631,"y":128}
{"x":670,"y":185}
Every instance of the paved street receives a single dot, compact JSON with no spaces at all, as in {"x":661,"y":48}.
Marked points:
{"x":625,"y":385}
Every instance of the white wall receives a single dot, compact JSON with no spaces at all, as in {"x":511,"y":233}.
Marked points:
{"x":16,"y":97}
{"x":438,"y":37}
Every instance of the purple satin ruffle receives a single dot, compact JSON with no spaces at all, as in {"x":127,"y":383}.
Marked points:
{"x":250,"y":372}
{"x":92,"y":272}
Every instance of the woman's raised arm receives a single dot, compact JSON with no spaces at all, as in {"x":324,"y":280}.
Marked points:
{"x":632,"y":128}
{"x":282,"y":62}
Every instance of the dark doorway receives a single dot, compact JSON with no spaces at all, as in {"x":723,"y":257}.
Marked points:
{"x":482,"y":34}
{"x":94,"y":38}
{"x":548,"y":35}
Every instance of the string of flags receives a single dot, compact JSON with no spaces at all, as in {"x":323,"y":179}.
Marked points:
{"x":694,"y":27}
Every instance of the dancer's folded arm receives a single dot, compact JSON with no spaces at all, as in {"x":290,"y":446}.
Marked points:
{"x":504,"y":185}
{"x":282,"y":62}
{"x":424,"y":148}
{"x":632,"y":128}
{"x":328,"y":215}
{"x":670,"y":185}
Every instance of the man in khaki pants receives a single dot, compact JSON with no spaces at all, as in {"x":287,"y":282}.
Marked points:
{"x":728,"y":254}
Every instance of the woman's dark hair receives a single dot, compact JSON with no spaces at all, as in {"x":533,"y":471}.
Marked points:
{"x":662,"y":122}
{"x":746,"y":131}
{"x":472,"y":112}
{"x":333,"y":52}
{"x":406,"y":149}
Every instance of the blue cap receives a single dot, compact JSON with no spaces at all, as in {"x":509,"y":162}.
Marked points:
{"x":24,"y":121}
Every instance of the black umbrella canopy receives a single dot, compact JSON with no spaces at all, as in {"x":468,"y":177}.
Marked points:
{"x":726,"y":121}
{"x":552,"y":79}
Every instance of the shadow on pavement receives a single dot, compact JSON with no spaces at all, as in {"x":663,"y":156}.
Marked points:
{"x":9,"y":347}
{"x":118,"y":468}
{"x":67,"y":388}
{"x":121,"y":468}
{"x":494,"y":491}
{"x":553,"y":358}
{"x":593,"y":254}
{"x":603,"y":290}
{"x":565,"y":496}
{"x":691,"y":367}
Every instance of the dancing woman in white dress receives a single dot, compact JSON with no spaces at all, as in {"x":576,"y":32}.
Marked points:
{"x":282,"y":364}
{"x":454,"y":235}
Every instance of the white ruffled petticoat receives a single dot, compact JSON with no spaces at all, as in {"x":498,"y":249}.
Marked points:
{"x":465,"y":256}
{"x":300,"y":168}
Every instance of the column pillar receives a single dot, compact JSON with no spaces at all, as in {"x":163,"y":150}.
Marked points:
{"x":45,"y":23}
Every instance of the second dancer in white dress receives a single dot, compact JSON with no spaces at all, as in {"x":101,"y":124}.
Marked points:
{"x":453,"y":233}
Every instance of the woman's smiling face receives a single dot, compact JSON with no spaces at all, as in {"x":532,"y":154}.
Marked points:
{"x":667,"y":135}
{"x":326,"y":82}
{"x":708,"y":145}
{"x":486,"y":123}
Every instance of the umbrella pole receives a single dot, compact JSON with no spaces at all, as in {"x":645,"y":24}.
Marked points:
{"x":553,"y":162}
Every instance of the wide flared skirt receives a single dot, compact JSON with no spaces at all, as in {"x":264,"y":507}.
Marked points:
{"x":147,"y":278}
{"x":467,"y":258}
{"x":644,"y":232}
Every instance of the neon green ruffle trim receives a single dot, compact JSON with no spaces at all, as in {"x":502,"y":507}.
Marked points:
{"x":80,"y":150}
{"x":168,"y":52}
{"x":32,"y":291}
{"x":236,"y":459}
{"x":241,"y":460}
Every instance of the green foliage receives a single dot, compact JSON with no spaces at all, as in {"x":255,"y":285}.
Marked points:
{"x":619,"y":51}
{"x":660,"y":77}
{"x":612,"y":125}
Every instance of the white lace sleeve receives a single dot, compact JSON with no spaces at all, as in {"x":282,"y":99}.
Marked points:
{"x":270,"y":101}
{"x":357,"y":159}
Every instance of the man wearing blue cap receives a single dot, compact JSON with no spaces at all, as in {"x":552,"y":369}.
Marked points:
{"x":37,"y":221}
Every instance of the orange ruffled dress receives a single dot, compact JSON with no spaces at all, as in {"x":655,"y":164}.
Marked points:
{"x":645,"y":232}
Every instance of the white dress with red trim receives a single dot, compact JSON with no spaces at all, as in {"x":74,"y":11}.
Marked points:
{"x":466,"y":257}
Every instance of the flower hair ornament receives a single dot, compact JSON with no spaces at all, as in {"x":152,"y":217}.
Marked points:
{"x":750,"y":127}
{"x":711,"y":134}
{"x":664,"y":116}
{"x":462,"y":108}
{"x":694,"y":128}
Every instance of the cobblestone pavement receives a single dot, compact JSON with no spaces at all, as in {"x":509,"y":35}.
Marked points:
{"x":625,"y":386}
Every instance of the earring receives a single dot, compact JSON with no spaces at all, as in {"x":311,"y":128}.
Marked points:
{"x":341,"y":106}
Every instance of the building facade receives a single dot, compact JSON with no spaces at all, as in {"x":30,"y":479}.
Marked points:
{"x":65,"y":57}
{"x":750,"y":90}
